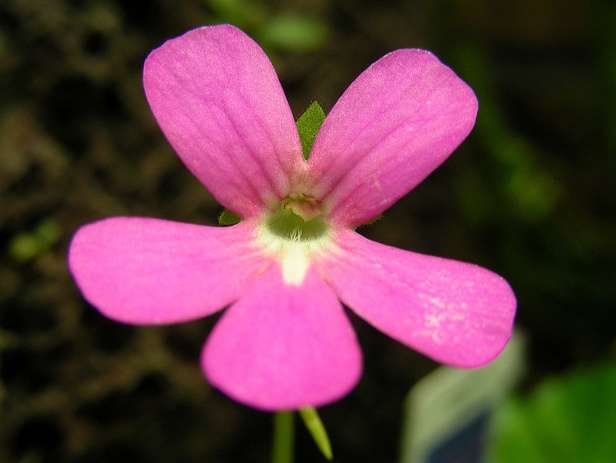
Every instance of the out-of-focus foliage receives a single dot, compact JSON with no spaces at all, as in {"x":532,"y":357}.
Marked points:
{"x":29,"y":245}
{"x":566,"y":419}
{"x":530,"y":194}
{"x":274,"y":28}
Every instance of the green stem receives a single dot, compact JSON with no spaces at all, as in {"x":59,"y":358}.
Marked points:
{"x":283,"y":438}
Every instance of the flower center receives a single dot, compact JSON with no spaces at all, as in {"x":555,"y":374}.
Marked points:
{"x":299,"y":218}
{"x":286,"y":224}
{"x":293,"y":234}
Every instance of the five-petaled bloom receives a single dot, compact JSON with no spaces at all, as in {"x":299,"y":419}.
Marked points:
{"x":285,"y":341}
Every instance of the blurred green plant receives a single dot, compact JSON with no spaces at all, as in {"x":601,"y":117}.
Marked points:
{"x":566,"y":419}
{"x":239,"y":12}
{"x":294,"y":32}
{"x":528,"y":189}
{"x":286,"y":31}
{"x":29,"y":245}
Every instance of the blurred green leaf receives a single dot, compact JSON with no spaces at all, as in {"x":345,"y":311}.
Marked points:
{"x":24,"y":247}
{"x":294,"y":33}
{"x":308,"y":126}
{"x":531,"y":190}
{"x":227,"y":217}
{"x":566,"y":419}
{"x":317,"y":430}
{"x":29,"y":245}
{"x":245,"y":14}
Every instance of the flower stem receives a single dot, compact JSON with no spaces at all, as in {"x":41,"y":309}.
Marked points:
{"x":283,"y":438}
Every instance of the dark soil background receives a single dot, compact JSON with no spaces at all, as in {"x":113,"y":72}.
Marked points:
{"x":530,"y":194}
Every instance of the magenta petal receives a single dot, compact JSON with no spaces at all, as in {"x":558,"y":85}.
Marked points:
{"x":218,"y":100}
{"x":283,"y":347}
{"x":398,"y":121}
{"x":453,"y":312}
{"x":149,"y":271}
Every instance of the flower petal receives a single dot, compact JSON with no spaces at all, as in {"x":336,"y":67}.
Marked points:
{"x":453,"y":312}
{"x":283,"y":347}
{"x":149,"y":271}
{"x":398,"y":121}
{"x":218,"y":100}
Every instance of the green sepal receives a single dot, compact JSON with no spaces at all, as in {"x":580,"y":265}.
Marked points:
{"x":227,"y":217}
{"x":308,"y":125}
{"x":317,"y":430}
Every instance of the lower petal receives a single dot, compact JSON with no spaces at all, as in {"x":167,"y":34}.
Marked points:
{"x":456,"y":313}
{"x":283,"y":346}
{"x":149,"y":271}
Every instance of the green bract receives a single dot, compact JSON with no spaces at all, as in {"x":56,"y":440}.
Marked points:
{"x":308,"y":126}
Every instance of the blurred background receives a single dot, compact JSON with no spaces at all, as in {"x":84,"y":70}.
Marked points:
{"x":530,"y":194}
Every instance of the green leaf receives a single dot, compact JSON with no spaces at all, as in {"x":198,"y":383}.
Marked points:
{"x":227,"y":217}
{"x":308,"y":126}
{"x":317,"y":430}
{"x":566,"y":419}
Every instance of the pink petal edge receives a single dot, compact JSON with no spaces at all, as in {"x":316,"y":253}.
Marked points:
{"x":150,"y":271}
{"x":283,"y":347}
{"x":398,"y":121}
{"x":217,"y":98}
{"x":456,"y":313}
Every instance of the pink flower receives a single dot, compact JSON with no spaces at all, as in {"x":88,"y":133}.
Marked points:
{"x":285,"y":341}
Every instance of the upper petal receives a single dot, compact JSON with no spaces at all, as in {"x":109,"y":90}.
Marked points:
{"x":456,"y":313}
{"x":218,"y":100}
{"x":283,"y":346}
{"x":399,"y":120}
{"x":149,"y":271}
